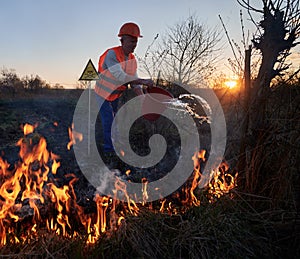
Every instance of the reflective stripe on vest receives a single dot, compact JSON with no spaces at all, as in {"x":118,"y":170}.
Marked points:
{"x":108,"y":86}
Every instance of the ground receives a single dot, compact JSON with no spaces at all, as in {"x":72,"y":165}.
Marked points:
{"x":238,"y":227}
{"x":52,"y":111}
{"x":52,"y":114}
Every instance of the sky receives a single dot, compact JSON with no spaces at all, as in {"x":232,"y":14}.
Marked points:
{"x":55,"y":38}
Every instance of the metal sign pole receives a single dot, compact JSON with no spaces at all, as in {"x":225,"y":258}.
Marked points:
{"x":89,"y":120}
{"x":89,"y":74}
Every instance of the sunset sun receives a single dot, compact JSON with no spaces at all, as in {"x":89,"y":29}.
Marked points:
{"x":231,"y":84}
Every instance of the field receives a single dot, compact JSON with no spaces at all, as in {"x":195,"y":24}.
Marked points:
{"x":258,"y":218}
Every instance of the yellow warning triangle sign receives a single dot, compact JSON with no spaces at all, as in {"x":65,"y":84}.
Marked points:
{"x":89,"y":73}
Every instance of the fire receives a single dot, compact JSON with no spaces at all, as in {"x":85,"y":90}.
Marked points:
{"x":73,"y":135}
{"x":222,"y":182}
{"x":30,"y":186}
{"x":28,"y":128}
{"x":144,"y":190}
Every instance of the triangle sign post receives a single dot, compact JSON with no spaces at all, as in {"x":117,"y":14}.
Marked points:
{"x":89,"y":74}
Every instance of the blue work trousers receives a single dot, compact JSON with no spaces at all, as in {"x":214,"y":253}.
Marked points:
{"x":107,"y":113}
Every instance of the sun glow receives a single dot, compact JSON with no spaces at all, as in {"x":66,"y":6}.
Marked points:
{"x":230,"y":84}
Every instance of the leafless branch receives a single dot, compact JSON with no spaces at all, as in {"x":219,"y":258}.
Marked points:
{"x":243,"y":29}
{"x":230,"y":42}
{"x":246,"y":4}
{"x":188,"y":47}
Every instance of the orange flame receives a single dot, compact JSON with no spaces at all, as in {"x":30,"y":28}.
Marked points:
{"x":28,"y":128}
{"x":222,"y":182}
{"x":29,"y":181}
{"x":73,"y":135}
{"x":144,"y":190}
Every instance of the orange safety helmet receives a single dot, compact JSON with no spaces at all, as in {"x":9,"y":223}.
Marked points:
{"x":131,"y":29}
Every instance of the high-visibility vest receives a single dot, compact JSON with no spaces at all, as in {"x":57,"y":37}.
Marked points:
{"x":109,"y":87}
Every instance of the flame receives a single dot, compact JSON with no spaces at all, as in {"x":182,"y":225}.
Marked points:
{"x":28,"y":128}
{"x":55,"y":166}
{"x":191,"y":199}
{"x":29,"y":182}
{"x":102,"y":205}
{"x":222,"y":182}
{"x":144,"y":190}
{"x":73,"y":135}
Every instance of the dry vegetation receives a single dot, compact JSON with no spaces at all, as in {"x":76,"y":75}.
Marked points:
{"x":260,"y":218}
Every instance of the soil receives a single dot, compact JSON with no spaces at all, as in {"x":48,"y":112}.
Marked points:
{"x":52,"y":113}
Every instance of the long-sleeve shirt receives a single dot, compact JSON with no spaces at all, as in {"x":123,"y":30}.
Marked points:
{"x":111,"y":63}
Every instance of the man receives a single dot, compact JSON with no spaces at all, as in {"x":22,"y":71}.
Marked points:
{"x":117,"y":68}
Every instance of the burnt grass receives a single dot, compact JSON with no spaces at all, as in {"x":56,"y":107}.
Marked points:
{"x":250,"y":225}
{"x":51,"y":111}
{"x":52,"y":114}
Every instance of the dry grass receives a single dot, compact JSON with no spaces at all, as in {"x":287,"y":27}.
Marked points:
{"x":273,"y":160}
{"x":228,"y":228}
{"x":261,"y":221}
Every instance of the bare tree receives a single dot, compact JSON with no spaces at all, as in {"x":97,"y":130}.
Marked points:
{"x":276,"y":35}
{"x":10,"y":81}
{"x":34,"y":83}
{"x":82,"y":84}
{"x":237,"y":63}
{"x":185,"y":53}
